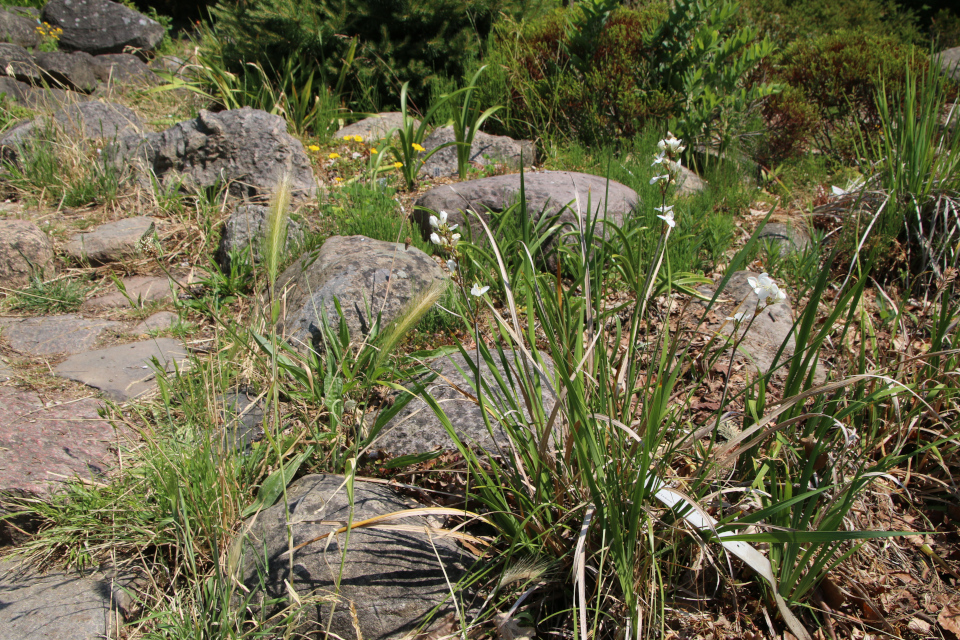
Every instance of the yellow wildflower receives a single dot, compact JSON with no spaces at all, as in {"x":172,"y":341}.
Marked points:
{"x":373,"y":151}
{"x":313,"y":148}
{"x":358,"y":138}
{"x":333,"y":156}
{"x":397,"y":165}
{"x":417,"y":147}
{"x":338,"y":179}
{"x":348,"y":138}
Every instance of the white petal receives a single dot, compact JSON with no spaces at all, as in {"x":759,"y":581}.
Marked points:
{"x":443,"y":217}
{"x":478,"y":291}
{"x":434,"y":222}
{"x":452,"y":265}
{"x":435,"y":239}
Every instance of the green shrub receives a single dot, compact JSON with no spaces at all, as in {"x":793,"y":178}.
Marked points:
{"x":397,"y":42}
{"x":833,"y":81}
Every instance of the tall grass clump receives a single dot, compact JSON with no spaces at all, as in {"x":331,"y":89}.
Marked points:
{"x":602,"y":490}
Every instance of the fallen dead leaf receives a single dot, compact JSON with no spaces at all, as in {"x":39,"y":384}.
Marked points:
{"x":949,"y":619}
{"x":919,"y":626}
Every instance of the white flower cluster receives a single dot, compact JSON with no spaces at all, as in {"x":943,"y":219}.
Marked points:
{"x":668,"y":157}
{"x":443,"y":236}
{"x":767,"y":290}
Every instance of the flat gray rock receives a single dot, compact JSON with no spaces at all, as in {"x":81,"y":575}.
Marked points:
{"x":689,"y":183}
{"x":53,"y":335}
{"x":139,"y":290}
{"x":58,"y":606}
{"x":772,"y":327}
{"x":160,"y":321}
{"x":123,"y":68}
{"x":125,"y":371}
{"x":242,"y":417}
{"x":788,"y":237}
{"x":42,"y":446}
{"x":73,"y":71}
{"x":392,"y":579}
{"x":246,"y":228}
{"x":416,"y":428}
{"x":17,"y":63}
{"x":24,"y":250}
{"x":486,"y":150}
{"x":375,"y":127}
{"x":88,"y":120}
{"x":366,"y":276}
{"x":111,"y":242}
{"x":101,"y":26}
{"x":547,"y":193}
{"x":247,"y":149}
{"x":18,"y":30}
{"x":950,"y":62}
{"x":6,"y":372}
{"x":35,"y":97}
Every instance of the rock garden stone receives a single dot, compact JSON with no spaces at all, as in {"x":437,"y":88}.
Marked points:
{"x":59,"y":606}
{"x":123,"y":68}
{"x":248,"y":149}
{"x":950,"y":62}
{"x":74,"y":71}
{"x":416,"y":429}
{"x":242,"y":420}
{"x":31,"y":13}
{"x":160,"y":321}
{"x":772,"y":326}
{"x":547,"y":193}
{"x":43,"y":443}
{"x":16,"y":62}
{"x":53,"y":335}
{"x":125,"y":371}
{"x":24,"y":250}
{"x":375,"y":127}
{"x":6,"y":371}
{"x":689,"y":183}
{"x":246,"y":228}
{"x":139,"y":290}
{"x":366,"y":276}
{"x":391,"y":581}
{"x":91,"y":120}
{"x":101,"y":26}
{"x":18,"y":30}
{"x":111,"y":242}
{"x":30,"y":96}
{"x":788,"y":237}
{"x":486,"y":150}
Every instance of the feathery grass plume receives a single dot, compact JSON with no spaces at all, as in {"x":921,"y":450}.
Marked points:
{"x":276,"y":239}
{"x":408,"y":318}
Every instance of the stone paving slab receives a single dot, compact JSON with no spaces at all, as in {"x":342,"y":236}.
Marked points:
{"x":125,"y":371}
{"x":55,"y":606}
{"x":52,"y":335}
{"x":111,"y":241}
{"x":160,"y":321}
{"x":42,"y":446}
{"x":140,"y":289}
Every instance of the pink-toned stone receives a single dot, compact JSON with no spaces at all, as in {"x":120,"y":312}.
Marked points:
{"x":41,"y":446}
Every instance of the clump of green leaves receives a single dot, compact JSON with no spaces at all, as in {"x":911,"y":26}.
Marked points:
{"x":44,"y":297}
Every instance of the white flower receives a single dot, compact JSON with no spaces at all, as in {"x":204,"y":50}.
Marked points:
{"x":454,"y":239}
{"x":668,"y":209}
{"x":452,"y":265}
{"x":668,"y":217}
{"x":659,"y":158}
{"x":453,"y":227}
{"x":737,"y":317}
{"x":443,"y":217}
{"x":478,"y":291}
{"x":656,"y":179}
{"x":671,"y":143}
{"x":435,"y":239}
{"x":434,"y":222}
{"x":766,"y":290}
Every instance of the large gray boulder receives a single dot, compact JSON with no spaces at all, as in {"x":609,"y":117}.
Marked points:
{"x":486,"y":150}
{"x":392,"y":579}
{"x":375,"y":127}
{"x":73,"y":71}
{"x":246,"y":228}
{"x":25,"y":250}
{"x":35,"y":97}
{"x":788,"y":237}
{"x":52,"y":335}
{"x":101,"y":26}
{"x":87,"y":120}
{"x":950,"y":62}
{"x":111,"y":242}
{"x":55,"y":605}
{"x":18,"y":30}
{"x":547,"y":193}
{"x":17,"y":63}
{"x":417,"y":429}
{"x":123,"y":68}
{"x":247,"y":149}
{"x":761,"y":338}
{"x":367,"y":277}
